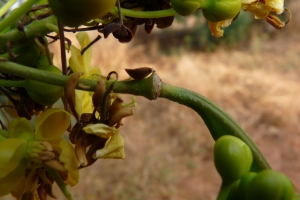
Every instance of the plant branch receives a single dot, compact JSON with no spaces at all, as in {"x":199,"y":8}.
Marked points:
{"x":14,"y":16}
{"x":34,"y":29}
{"x":217,"y":121}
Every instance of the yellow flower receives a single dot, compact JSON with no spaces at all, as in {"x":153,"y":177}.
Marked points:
{"x":81,"y":63}
{"x":262,"y":8}
{"x":22,"y":148}
{"x":114,"y":146}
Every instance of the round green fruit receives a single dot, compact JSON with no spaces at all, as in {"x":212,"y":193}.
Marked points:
{"x":185,"y":7}
{"x":77,"y":12}
{"x":43,"y":93}
{"x":219,"y":10}
{"x":233,"y":158}
{"x":269,"y":184}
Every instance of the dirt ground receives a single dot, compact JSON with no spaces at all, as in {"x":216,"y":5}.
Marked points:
{"x":168,"y":148}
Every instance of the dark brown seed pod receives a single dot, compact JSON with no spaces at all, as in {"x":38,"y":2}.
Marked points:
{"x":139,"y":73}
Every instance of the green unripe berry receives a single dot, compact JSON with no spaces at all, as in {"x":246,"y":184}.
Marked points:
{"x":185,"y":7}
{"x":43,"y":93}
{"x":219,"y":10}
{"x":77,"y":12}
{"x":233,"y":158}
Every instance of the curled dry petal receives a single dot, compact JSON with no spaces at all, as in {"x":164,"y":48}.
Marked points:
{"x":116,"y":105}
{"x":275,"y":21}
{"x":99,"y":92}
{"x":70,"y":91}
{"x":55,"y":164}
{"x":215,"y":27}
{"x":80,"y":151}
{"x":119,"y":114}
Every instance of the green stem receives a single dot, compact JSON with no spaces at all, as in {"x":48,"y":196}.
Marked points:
{"x":6,"y":83}
{"x":60,"y":182}
{"x":34,"y":29}
{"x":144,"y":14}
{"x":6,"y":7}
{"x":13,"y":17}
{"x":218,"y":121}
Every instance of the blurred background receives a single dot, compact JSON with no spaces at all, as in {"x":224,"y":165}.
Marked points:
{"x":253,"y":73}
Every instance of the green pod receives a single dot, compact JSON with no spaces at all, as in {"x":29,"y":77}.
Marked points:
{"x":269,"y":184}
{"x":185,"y":7}
{"x":44,"y":93}
{"x":219,"y":10}
{"x":77,"y":12}
{"x":233,"y":158}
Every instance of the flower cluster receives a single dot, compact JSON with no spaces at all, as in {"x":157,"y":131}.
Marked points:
{"x":34,"y":157}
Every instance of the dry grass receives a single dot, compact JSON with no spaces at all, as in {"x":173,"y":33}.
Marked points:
{"x":168,"y":148}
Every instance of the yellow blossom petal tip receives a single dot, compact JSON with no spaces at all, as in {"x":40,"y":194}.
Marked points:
{"x":114,"y":148}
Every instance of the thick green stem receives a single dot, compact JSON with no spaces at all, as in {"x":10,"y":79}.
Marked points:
{"x":5,"y":83}
{"x":218,"y":121}
{"x":13,"y":17}
{"x":34,"y":29}
{"x":144,"y":14}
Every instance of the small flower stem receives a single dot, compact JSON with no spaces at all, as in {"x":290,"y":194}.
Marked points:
{"x":59,"y":181}
{"x":12,"y":18}
{"x":217,"y":121}
{"x":6,"y":7}
{"x":144,"y":14}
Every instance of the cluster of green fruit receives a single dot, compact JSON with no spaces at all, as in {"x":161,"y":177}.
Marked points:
{"x":233,"y":159}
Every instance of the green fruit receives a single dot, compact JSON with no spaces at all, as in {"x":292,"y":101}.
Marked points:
{"x":232,"y":157}
{"x":218,"y":10}
{"x":185,"y":7}
{"x":271,"y":185}
{"x":245,"y":180}
{"x":27,"y":54}
{"x":77,"y":12}
{"x":43,"y":93}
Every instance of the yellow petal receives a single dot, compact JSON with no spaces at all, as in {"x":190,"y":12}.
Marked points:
{"x":258,"y":9}
{"x":9,"y":182}
{"x":51,"y":125}
{"x":75,"y":61}
{"x":20,"y":128}
{"x":70,"y":161}
{"x":83,"y":102}
{"x":12,"y":151}
{"x":215,"y":27}
{"x":114,"y":148}
{"x":261,"y":9}
{"x":101,"y":130}
{"x":84,"y":41}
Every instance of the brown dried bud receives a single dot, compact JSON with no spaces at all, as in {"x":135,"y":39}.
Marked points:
{"x":139,"y":73}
